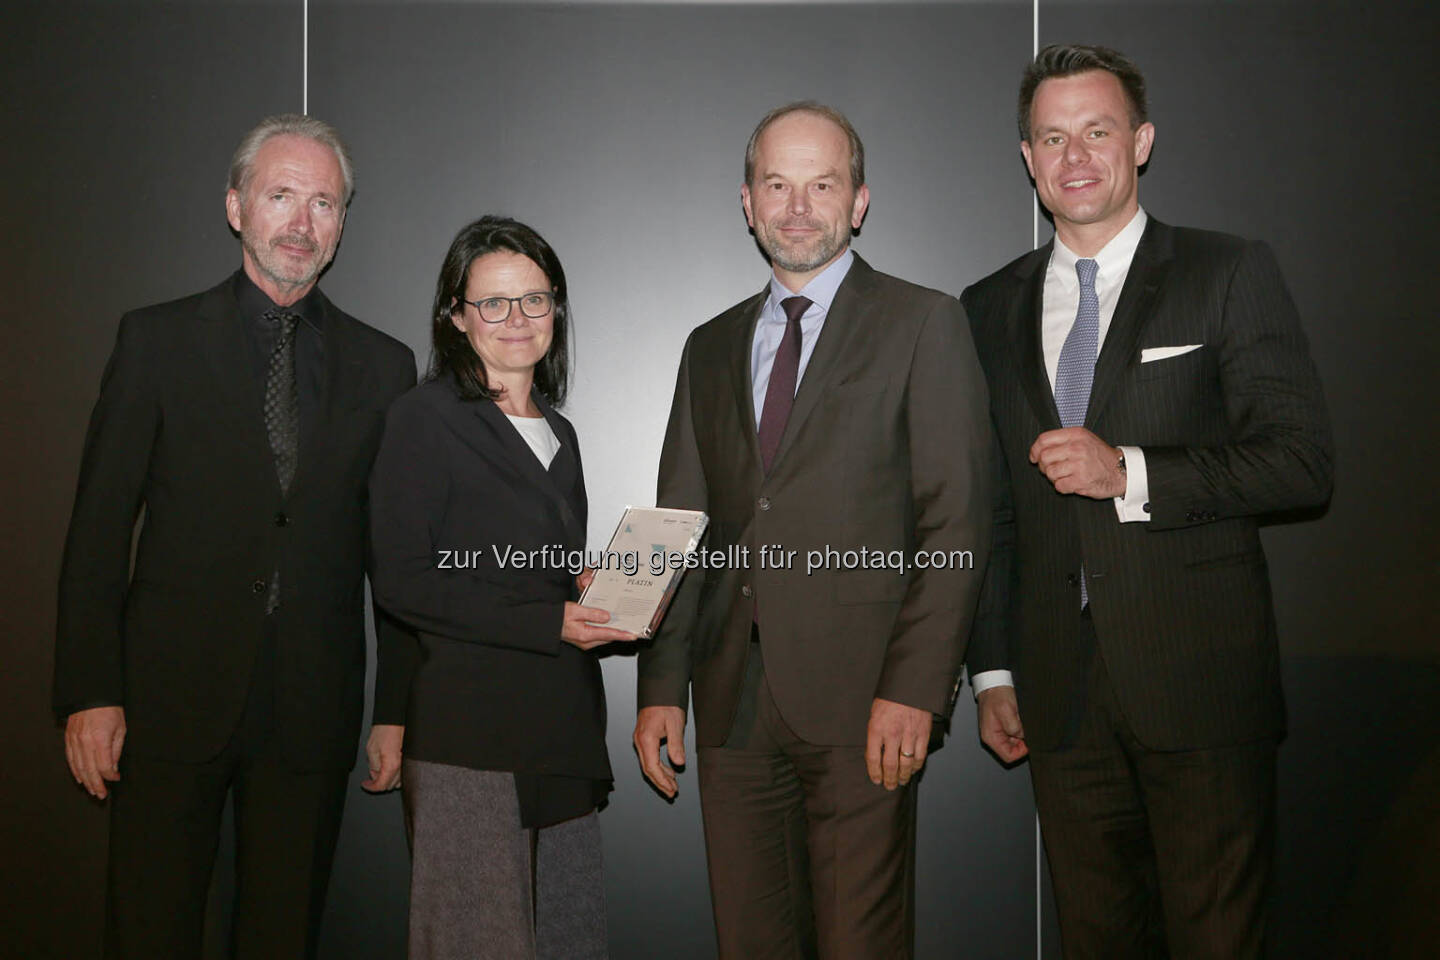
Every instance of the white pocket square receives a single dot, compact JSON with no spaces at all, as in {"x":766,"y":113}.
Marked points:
{"x":1151,"y":354}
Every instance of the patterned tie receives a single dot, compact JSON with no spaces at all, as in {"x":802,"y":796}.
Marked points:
{"x":1076,"y":373}
{"x":282,"y":397}
{"x":282,"y":415}
{"x":784,"y":373}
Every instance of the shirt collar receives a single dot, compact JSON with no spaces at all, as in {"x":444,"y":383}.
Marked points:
{"x":253,"y":302}
{"x":822,"y":287}
{"x":1114,"y":258}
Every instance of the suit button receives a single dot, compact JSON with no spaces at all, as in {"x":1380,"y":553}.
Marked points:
{"x":1072,"y":579}
{"x":1191,"y":516}
{"x":745,"y":591}
{"x":258,"y":586}
{"x":281,"y":520}
{"x":763,"y":503}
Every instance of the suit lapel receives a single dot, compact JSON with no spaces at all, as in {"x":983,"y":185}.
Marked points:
{"x":748,"y":315}
{"x":342,"y":377}
{"x":231,"y":381}
{"x":1137,"y":298}
{"x":518,"y":456}
{"x":563,"y":472}
{"x":1025,"y":320}
{"x":853,"y":301}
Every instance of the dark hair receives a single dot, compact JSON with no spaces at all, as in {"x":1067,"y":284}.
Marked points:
{"x":1066,"y":60}
{"x":857,"y":149}
{"x":450,"y":350}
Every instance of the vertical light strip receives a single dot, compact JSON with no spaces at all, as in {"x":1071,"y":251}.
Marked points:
{"x":305,"y":56}
{"x":1035,"y":242}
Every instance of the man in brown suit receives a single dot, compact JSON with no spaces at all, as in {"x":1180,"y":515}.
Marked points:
{"x":838,"y":421}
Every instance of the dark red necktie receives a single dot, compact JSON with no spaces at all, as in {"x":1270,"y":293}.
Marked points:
{"x":784,"y":374}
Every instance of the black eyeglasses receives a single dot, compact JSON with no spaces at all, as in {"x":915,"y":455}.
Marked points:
{"x":497,"y":309}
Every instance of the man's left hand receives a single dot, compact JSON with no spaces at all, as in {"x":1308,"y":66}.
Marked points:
{"x":1077,"y":461}
{"x":895,"y":742}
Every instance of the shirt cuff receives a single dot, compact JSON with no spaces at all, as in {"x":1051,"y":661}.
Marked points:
{"x":986,"y":679}
{"x":1134,"y":507}
{"x":62,"y":713}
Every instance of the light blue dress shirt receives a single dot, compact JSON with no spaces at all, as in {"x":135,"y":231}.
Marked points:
{"x":770,"y":328}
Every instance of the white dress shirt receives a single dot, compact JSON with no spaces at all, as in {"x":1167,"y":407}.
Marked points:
{"x":1060,"y":303}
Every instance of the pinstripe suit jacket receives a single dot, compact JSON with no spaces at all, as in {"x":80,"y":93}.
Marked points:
{"x":1231,"y":431}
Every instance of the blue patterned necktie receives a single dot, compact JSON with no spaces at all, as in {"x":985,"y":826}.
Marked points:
{"x":1076,"y":372}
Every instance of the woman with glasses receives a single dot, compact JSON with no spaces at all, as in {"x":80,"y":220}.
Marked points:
{"x":476,"y":496}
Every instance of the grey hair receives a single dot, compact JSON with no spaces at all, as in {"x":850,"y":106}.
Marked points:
{"x":857,"y":149}
{"x":242,"y":164}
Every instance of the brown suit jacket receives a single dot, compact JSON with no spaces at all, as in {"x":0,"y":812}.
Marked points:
{"x":887,"y":449}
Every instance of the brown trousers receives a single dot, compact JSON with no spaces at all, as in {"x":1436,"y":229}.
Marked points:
{"x":807,"y":857}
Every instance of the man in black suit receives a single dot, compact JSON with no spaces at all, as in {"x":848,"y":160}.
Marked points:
{"x":1153,"y":397}
{"x":244,"y":420}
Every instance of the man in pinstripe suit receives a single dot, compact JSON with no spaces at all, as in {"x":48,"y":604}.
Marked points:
{"x":1153,"y":398}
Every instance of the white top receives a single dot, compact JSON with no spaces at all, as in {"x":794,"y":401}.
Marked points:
{"x":536,"y":432}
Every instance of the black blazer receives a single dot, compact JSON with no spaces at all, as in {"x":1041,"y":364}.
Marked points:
{"x":1231,"y":431}
{"x":490,"y":684}
{"x":179,"y":430}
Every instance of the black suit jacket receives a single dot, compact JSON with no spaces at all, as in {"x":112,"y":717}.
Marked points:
{"x":179,"y":430}
{"x":490,"y":684}
{"x":1231,"y":431}
{"x":887,"y":450}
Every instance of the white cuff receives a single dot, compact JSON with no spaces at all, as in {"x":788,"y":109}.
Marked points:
{"x":986,"y":679}
{"x":1135,"y":505}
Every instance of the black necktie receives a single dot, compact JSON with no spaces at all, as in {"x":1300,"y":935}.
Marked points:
{"x":282,"y":415}
{"x":784,"y":374}
{"x":282,"y":397}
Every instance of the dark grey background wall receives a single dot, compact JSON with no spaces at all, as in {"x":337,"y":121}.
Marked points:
{"x":617,"y":130}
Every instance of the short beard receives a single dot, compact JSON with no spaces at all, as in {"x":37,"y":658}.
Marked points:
{"x":811,"y":257}
{"x":273,"y":267}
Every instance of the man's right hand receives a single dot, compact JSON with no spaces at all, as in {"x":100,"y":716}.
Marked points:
{"x":999,"y":722}
{"x":385,"y":749}
{"x":93,"y":739}
{"x":652,"y":725}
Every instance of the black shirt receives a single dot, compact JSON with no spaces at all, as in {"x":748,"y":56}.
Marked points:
{"x":309,"y":342}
